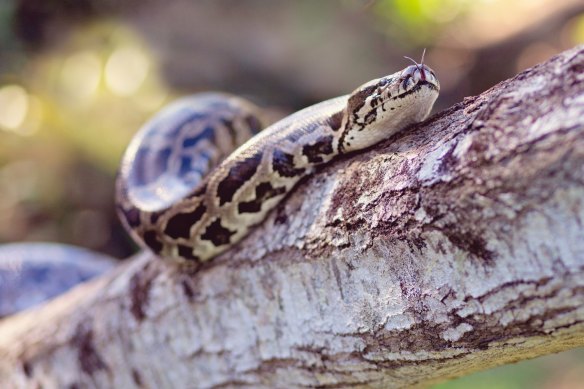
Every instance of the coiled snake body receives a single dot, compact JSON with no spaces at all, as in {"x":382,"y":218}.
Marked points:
{"x":174,"y":201}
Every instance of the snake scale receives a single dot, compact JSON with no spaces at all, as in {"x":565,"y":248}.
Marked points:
{"x":183,"y":193}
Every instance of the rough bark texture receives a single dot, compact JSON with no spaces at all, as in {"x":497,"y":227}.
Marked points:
{"x":454,"y":247}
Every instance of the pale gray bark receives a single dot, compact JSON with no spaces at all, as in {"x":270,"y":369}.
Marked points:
{"x":454,"y":247}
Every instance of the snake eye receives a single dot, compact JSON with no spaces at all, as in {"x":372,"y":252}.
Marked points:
{"x":406,"y":81}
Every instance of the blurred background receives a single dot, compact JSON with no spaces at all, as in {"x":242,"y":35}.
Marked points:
{"x":79,"y":77}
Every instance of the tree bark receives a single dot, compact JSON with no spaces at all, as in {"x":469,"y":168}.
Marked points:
{"x":453,"y":247}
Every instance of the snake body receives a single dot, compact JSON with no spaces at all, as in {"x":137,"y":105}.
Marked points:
{"x":182,"y":193}
{"x":31,"y":273}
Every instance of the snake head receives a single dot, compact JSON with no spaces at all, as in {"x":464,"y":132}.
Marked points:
{"x":415,"y":75}
{"x":382,"y":107}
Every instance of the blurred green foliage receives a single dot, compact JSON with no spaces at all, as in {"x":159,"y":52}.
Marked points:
{"x":558,"y":371}
{"x":68,"y":114}
{"x":6,"y":11}
{"x":417,"y":22}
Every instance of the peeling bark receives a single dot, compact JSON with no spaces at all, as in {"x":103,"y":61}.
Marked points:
{"x":453,"y":247}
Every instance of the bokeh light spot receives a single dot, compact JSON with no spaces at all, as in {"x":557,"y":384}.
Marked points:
{"x":81,"y":74}
{"x":126,"y":70}
{"x":13,"y":106}
{"x":577,"y":34}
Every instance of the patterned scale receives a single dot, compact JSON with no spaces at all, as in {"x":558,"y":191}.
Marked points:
{"x":182,"y":143}
{"x":168,"y":159}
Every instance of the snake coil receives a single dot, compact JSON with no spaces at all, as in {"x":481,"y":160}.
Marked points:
{"x":184,"y":194}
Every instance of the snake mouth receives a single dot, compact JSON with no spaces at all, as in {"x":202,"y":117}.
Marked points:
{"x":429,"y":84}
{"x":416,"y":89}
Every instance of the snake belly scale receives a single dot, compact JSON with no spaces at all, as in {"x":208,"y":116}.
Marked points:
{"x":182,"y":193}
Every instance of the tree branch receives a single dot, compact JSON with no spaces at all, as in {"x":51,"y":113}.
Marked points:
{"x":453,"y":247}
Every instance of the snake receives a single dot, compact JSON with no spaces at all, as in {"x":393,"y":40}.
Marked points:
{"x":33,"y":272}
{"x":198,"y":176}
{"x":201,"y":173}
